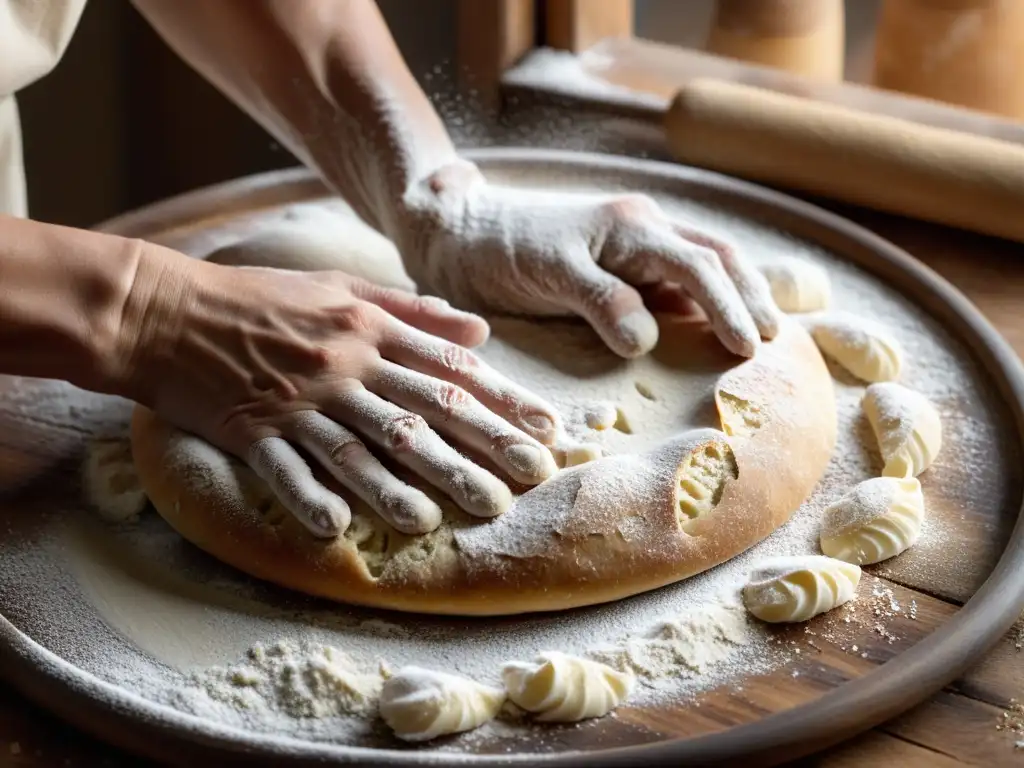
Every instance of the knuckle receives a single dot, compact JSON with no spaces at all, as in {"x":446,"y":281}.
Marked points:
{"x":451,"y":399}
{"x":703,"y":259}
{"x":349,"y":386}
{"x":633,"y":207}
{"x":456,"y":358}
{"x":322,"y":357}
{"x":348,"y":454}
{"x":357,"y":318}
{"x":596,"y":293}
{"x":402,"y":432}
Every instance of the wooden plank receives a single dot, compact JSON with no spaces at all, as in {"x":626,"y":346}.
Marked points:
{"x":876,"y":748}
{"x":576,"y":25}
{"x":492,"y":36}
{"x":960,"y":728}
{"x":999,"y":677}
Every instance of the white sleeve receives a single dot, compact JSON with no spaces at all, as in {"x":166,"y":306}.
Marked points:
{"x":33,"y":36}
{"x":12,"y":173}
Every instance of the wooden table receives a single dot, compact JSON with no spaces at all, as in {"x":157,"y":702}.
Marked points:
{"x":959,"y":726}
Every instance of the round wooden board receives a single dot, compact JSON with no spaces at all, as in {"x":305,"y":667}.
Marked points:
{"x":846,"y":680}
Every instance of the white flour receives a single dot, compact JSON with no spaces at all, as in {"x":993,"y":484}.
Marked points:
{"x":175,"y":626}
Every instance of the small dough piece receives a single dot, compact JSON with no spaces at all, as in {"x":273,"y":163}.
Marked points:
{"x":421,"y":704}
{"x":559,"y":688}
{"x":798,"y":285}
{"x":792,"y":589}
{"x":878,"y":519}
{"x":112,"y":484}
{"x":860,"y":346}
{"x":582,"y":453}
{"x":907,"y":427}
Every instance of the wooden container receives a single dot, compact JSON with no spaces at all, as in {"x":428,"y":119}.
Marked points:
{"x":966,"y":52}
{"x":801,"y":36}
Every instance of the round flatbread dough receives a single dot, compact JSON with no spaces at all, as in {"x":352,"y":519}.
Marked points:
{"x":706,"y":455}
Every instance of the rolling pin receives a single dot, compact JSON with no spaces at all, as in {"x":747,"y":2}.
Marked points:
{"x":875,"y":161}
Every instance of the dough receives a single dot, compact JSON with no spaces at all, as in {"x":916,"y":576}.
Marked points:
{"x":558,"y":688}
{"x":111,"y":483}
{"x":691,"y":475}
{"x":859,"y":345}
{"x":420,"y":704}
{"x":878,"y":519}
{"x":798,"y":285}
{"x":791,"y":589}
{"x":907,"y":427}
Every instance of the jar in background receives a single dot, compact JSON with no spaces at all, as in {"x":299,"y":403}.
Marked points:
{"x":804,"y":37}
{"x":964,"y":52}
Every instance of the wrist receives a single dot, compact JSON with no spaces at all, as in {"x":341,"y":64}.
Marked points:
{"x":433,"y":203}
{"x":149,"y":321}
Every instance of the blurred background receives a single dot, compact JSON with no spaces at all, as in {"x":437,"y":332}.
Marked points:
{"x":122,"y":121}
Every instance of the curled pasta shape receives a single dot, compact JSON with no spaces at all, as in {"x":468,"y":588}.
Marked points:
{"x":907,"y":427}
{"x":421,"y":704}
{"x":792,"y":589}
{"x":878,"y":519}
{"x":860,"y":346}
{"x":560,"y":688}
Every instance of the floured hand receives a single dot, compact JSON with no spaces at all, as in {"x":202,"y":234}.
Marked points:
{"x":554,"y":253}
{"x":266,"y":363}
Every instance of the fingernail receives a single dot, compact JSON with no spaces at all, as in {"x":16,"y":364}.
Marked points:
{"x":534,"y":465}
{"x":435,"y":302}
{"x":638,"y":332}
{"x":330,"y":521}
{"x":490,"y":499}
{"x":747,"y":347}
{"x":416,"y":515}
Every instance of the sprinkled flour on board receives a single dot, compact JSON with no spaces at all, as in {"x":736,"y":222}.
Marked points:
{"x":140,"y":608}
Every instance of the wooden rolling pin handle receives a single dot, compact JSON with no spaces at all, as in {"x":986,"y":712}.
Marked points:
{"x":871,"y":160}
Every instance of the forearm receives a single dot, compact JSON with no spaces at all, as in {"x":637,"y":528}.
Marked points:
{"x":67,"y":304}
{"x":325,"y":78}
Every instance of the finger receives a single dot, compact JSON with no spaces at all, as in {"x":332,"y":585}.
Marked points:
{"x":750,"y":283}
{"x":612,"y":308}
{"x":452,"y":410}
{"x":428,"y":313}
{"x":701,"y":274}
{"x":341,"y":453}
{"x":435,"y":357}
{"x":407,"y":438}
{"x":279,"y":465}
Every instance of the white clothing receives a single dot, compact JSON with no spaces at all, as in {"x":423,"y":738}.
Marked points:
{"x":33,"y":36}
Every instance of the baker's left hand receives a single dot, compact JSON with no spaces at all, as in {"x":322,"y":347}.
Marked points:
{"x":505,"y":249}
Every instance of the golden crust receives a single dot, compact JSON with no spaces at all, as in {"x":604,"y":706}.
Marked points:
{"x":593,"y":533}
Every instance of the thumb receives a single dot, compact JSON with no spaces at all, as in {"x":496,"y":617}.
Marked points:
{"x":428,"y":313}
{"x":614,"y":309}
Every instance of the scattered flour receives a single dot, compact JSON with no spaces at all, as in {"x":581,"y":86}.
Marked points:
{"x":298,"y":680}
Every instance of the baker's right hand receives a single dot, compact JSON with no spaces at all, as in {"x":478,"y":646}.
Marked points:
{"x":266,"y":363}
